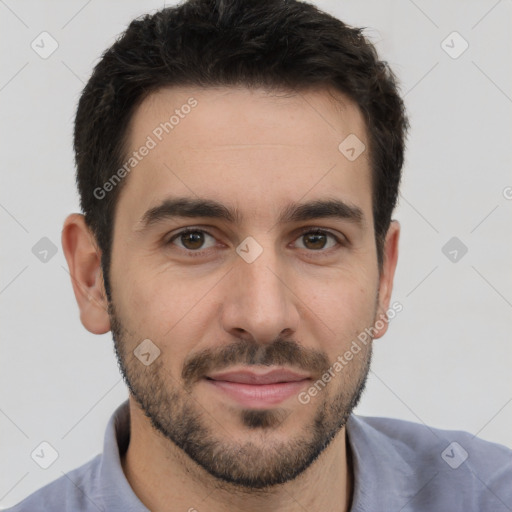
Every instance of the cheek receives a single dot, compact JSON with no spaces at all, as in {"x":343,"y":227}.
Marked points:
{"x":345,"y":305}
{"x":164,"y":308}
{"x":153,"y":304}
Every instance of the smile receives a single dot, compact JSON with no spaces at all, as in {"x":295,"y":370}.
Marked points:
{"x":258,"y":390}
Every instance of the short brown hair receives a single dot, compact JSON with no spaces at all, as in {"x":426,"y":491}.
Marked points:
{"x":276,"y":44}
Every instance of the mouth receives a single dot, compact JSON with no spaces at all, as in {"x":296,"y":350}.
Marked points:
{"x":254,"y":389}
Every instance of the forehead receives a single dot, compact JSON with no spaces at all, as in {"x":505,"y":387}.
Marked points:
{"x":250,"y":148}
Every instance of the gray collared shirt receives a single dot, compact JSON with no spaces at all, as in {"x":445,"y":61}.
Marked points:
{"x":398,"y":466}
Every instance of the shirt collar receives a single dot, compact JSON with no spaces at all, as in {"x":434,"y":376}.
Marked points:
{"x":385,"y":476}
{"x":116,"y":492}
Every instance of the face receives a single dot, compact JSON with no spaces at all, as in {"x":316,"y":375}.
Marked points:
{"x":244,"y":251}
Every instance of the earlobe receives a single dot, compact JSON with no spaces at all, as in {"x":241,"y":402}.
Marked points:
{"x":390,"y":259}
{"x":84,"y":262}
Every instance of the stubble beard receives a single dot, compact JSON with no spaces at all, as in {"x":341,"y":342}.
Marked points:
{"x":261,"y":462}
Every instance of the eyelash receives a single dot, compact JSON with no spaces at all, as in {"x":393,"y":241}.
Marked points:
{"x":304,"y":231}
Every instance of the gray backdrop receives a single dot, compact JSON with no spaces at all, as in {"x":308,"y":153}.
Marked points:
{"x":447,"y":356}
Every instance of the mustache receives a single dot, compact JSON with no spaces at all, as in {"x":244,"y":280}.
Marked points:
{"x":279,"y":352}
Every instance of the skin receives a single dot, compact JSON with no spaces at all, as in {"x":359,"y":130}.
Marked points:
{"x":257,"y":152}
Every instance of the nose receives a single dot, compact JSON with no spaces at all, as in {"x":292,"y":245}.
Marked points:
{"x":259,"y":301}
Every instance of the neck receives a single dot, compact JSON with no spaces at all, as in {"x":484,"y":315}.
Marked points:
{"x":164,"y":478}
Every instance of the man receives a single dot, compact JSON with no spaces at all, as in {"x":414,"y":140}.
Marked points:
{"x":238,"y":166}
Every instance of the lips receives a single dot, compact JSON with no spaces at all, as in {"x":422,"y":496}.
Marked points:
{"x":249,"y":377}
{"x":254,"y":390}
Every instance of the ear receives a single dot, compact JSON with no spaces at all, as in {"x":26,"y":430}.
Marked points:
{"x":84,"y":262}
{"x":387,"y":274}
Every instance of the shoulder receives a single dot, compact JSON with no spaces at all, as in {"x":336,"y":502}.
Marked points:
{"x":73,"y":491}
{"x":422,"y":441}
{"x":438,"y":467}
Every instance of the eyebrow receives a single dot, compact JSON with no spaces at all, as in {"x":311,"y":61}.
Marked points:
{"x":189,"y":207}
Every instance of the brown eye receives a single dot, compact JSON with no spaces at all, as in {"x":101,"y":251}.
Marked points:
{"x":314,"y":241}
{"x":317,"y":240}
{"x":191,"y":240}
